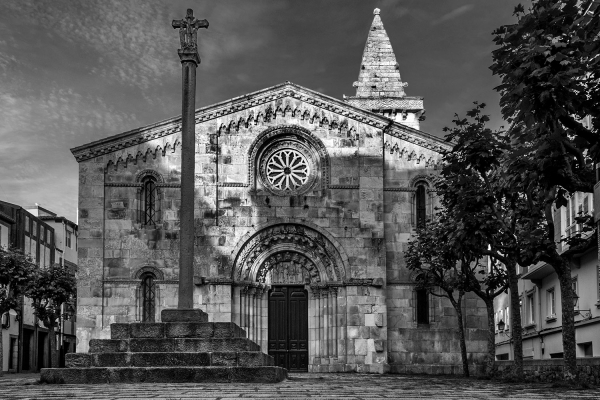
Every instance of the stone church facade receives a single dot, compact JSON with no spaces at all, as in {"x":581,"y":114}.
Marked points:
{"x":304,"y":205}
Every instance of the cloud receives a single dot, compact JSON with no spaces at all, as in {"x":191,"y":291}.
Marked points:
{"x":453,"y":14}
{"x":36,"y":133}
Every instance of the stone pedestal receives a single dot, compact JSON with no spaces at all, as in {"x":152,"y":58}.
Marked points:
{"x":183,"y":348}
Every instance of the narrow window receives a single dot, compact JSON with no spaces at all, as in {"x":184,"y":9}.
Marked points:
{"x":421,"y":206}
{"x":530,"y":309}
{"x":422,"y":306}
{"x":148,"y":289}
{"x":68,"y":239}
{"x":551,"y":303}
{"x":149,"y":201}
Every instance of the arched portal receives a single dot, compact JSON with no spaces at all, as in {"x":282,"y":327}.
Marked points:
{"x":289,"y":294}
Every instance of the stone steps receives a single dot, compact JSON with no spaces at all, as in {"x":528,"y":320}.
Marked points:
{"x":139,"y":330}
{"x":156,"y":359}
{"x":185,"y":347}
{"x":171,"y":345}
{"x":268,"y":374}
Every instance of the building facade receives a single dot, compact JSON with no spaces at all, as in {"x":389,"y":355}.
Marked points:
{"x":541,"y":306}
{"x":304,"y":205}
{"x":25,"y":340}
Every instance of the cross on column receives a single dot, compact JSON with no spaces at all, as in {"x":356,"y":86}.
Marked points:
{"x":188,"y":30}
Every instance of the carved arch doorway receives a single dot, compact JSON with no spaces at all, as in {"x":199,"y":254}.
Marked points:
{"x":293,"y":256}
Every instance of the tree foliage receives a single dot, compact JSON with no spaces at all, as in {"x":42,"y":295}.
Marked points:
{"x":50,"y":288}
{"x":492,"y":218}
{"x":15,"y":270}
{"x":549,"y":63}
{"x":437,"y":266}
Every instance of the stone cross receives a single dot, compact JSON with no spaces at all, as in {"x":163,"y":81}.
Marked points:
{"x":188,"y":54}
{"x":188,"y":30}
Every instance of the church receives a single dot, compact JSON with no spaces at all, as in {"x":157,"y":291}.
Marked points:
{"x":304,"y":205}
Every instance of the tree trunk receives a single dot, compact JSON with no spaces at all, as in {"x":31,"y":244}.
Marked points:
{"x":490,"y":367}
{"x":461,"y":332}
{"x":515,"y":319}
{"x":568,"y":321}
{"x":52,"y":346}
{"x":2,"y":350}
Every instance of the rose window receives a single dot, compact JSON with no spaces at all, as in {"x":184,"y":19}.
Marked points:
{"x":287,"y":170}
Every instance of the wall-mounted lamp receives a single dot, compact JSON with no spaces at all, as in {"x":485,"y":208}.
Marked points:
{"x":586,"y":314}
{"x":5,"y":320}
{"x":501,"y":326}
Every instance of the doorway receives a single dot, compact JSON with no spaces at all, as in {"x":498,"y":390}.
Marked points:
{"x":288,"y":327}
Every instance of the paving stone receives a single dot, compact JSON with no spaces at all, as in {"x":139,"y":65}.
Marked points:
{"x":297,"y":386}
{"x":162,"y":374}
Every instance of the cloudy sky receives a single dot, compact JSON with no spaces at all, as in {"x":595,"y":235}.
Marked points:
{"x":72,"y":72}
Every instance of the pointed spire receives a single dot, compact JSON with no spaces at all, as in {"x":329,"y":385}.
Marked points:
{"x":379,"y":74}
{"x":379,"y":88}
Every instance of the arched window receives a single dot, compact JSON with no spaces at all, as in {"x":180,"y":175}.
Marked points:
{"x":149,"y":201}
{"x":421,"y":204}
{"x":148,"y":297}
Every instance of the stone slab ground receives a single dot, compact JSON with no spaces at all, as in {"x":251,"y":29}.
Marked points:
{"x":297,"y":386}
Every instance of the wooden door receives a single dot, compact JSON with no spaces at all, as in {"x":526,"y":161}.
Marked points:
{"x":288,"y":327}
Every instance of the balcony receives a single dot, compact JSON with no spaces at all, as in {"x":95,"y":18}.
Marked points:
{"x":538,"y":272}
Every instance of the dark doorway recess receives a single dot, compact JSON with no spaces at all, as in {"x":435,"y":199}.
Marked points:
{"x":288,"y":327}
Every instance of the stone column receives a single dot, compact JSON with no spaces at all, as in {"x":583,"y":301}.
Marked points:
{"x":188,"y":54}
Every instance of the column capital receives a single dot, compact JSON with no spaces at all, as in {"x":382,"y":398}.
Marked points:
{"x":189,"y":55}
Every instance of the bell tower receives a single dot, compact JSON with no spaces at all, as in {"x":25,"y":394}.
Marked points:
{"x":379,"y":88}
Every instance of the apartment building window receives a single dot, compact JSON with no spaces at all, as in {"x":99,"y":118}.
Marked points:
{"x":577,"y":205}
{"x":34,"y":229}
{"x":26,"y":224}
{"x":530,"y":304}
{"x":68,"y":239}
{"x":506,"y":318}
{"x":551,"y":304}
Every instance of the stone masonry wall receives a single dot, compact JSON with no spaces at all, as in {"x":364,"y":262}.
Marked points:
{"x":413,"y":347}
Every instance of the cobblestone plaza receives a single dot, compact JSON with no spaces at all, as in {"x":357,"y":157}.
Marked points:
{"x":299,"y":386}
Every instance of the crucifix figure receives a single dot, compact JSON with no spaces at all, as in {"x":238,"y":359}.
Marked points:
{"x":188,"y":54}
{"x":188,"y":30}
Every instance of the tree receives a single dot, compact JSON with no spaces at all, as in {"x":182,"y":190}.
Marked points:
{"x":495,"y":220}
{"x":436,"y":265}
{"x":549,"y":63}
{"x":15,"y":270}
{"x":49,"y":289}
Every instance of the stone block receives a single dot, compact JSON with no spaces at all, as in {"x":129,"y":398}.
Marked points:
{"x":147,"y":330}
{"x":184,"y":315}
{"x":189,"y":329}
{"x":111,"y":359}
{"x":169,"y":359}
{"x":108,"y":345}
{"x":360,"y":347}
{"x":78,"y":360}
{"x":223,"y":358}
{"x":227,"y":330}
